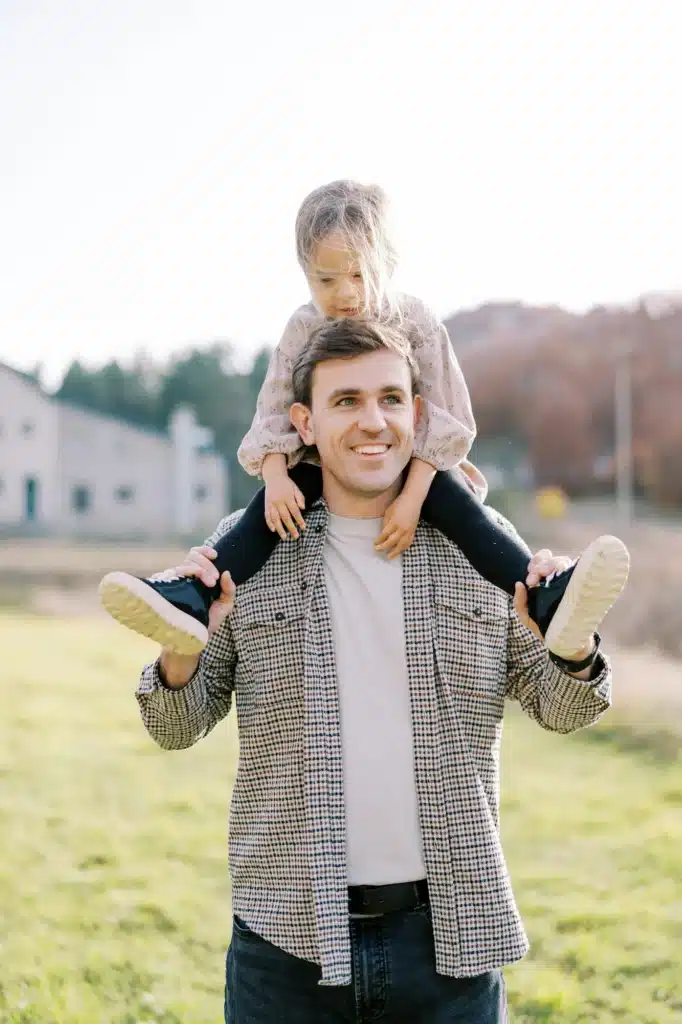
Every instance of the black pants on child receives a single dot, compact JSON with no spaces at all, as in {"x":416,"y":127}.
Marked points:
{"x":450,"y":507}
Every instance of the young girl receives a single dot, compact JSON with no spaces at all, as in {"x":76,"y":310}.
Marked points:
{"x":345,"y":250}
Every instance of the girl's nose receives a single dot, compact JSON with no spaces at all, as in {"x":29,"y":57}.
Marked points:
{"x":347,"y":288}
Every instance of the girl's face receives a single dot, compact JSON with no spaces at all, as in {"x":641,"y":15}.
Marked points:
{"x":335,"y":279}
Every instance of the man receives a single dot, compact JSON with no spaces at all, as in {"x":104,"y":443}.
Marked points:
{"x":368,"y":877}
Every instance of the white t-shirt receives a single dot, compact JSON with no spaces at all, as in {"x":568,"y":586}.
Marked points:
{"x":382,"y":819}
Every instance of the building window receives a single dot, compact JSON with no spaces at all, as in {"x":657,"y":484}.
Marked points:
{"x":81,"y":499}
{"x":200,"y":493}
{"x":124,"y":494}
{"x":28,"y":428}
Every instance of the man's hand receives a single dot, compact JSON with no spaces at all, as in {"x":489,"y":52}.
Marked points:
{"x":199,"y":563}
{"x":399,"y":526}
{"x":178,"y":669}
{"x":542,"y":565}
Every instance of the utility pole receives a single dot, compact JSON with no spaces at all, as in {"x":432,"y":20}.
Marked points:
{"x":623,"y":433}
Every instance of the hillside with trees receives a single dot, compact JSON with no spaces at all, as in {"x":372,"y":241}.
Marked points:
{"x":542,"y":377}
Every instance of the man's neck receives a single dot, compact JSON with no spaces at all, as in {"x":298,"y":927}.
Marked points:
{"x":358,"y":506}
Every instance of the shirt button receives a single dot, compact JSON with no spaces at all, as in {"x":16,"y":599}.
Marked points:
{"x":304,"y":586}
{"x":279,"y":616}
{"x":318,"y":529}
{"x":478,"y":612}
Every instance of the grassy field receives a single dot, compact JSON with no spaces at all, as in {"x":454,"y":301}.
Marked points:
{"x":114,"y":896}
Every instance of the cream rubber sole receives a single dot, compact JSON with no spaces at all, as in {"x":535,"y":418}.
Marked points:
{"x":135,"y":604}
{"x":596,"y":583}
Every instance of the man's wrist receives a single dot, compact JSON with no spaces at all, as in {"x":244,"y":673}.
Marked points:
{"x":582,"y":660}
{"x":176,"y":671}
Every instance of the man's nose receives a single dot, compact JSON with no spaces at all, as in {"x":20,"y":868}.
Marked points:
{"x":372,"y":418}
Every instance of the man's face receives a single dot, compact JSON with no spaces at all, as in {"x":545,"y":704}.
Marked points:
{"x":362,"y":420}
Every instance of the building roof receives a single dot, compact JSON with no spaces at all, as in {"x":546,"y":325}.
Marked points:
{"x":68,"y":403}
{"x":28,"y":378}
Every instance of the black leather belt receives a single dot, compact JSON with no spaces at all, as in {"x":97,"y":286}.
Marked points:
{"x":384,"y":899}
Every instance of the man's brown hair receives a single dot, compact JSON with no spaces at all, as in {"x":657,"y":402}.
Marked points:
{"x":347,"y":339}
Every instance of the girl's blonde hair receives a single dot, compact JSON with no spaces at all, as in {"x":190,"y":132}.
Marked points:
{"x":361,"y":214}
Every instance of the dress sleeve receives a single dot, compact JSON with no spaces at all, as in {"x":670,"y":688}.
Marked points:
{"x":271,"y":430}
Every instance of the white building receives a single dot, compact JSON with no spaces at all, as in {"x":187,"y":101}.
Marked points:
{"x":68,"y":471}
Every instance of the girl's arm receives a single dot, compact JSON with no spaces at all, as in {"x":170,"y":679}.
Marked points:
{"x":447,"y":427}
{"x":271,"y":432}
{"x":446,"y":430}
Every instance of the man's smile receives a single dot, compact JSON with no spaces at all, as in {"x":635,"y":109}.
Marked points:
{"x":370,"y":450}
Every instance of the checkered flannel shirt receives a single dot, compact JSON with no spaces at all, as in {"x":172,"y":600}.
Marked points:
{"x":466,"y":652}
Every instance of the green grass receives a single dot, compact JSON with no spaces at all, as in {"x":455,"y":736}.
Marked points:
{"x":114,"y":896}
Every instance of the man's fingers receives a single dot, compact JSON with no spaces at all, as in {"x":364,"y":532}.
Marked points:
{"x":520,"y":600}
{"x":204,"y":569}
{"x":538,"y":567}
{"x":223,"y":604}
{"x":521,"y":609}
{"x":544,"y":564}
{"x":204,"y":549}
{"x":227,"y":589}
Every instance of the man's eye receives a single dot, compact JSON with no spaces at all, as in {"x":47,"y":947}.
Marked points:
{"x":393,"y":399}
{"x":346,"y":401}
{"x":358,"y":277}
{"x":325,"y":280}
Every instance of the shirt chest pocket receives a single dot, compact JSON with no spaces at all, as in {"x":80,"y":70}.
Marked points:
{"x":471,"y":638}
{"x":270,"y":627}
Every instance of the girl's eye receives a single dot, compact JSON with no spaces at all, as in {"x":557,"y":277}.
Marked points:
{"x":358,"y":277}
{"x":325,"y":280}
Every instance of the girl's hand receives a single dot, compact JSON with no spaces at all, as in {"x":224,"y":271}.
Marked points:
{"x":400,"y":524}
{"x":283,"y":504}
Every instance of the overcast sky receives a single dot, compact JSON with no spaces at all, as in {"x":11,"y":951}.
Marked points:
{"x":154,"y":153}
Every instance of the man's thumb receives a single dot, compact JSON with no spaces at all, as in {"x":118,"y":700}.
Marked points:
{"x":226,"y":588}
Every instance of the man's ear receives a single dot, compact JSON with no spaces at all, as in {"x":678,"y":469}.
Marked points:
{"x":301,"y":419}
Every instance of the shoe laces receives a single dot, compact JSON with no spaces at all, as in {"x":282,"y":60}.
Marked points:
{"x":166,"y":576}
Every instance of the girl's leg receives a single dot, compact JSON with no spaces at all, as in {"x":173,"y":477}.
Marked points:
{"x":245,"y":549}
{"x":497,"y":555}
{"x":568,"y":609}
{"x":173,"y":610}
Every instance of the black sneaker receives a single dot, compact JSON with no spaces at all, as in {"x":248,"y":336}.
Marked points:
{"x":572,"y":605}
{"x":170,"y":609}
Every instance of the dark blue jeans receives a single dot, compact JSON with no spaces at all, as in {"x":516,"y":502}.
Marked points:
{"x":394,"y":981}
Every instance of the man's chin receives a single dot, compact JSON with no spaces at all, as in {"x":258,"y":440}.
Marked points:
{"x":372,"y":485}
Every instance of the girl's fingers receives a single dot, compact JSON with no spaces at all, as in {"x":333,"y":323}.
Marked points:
{"x":277,"y":523}
{"x":295,"y":513}
{"x":392,"y":538}
{"x":287,"y":520}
